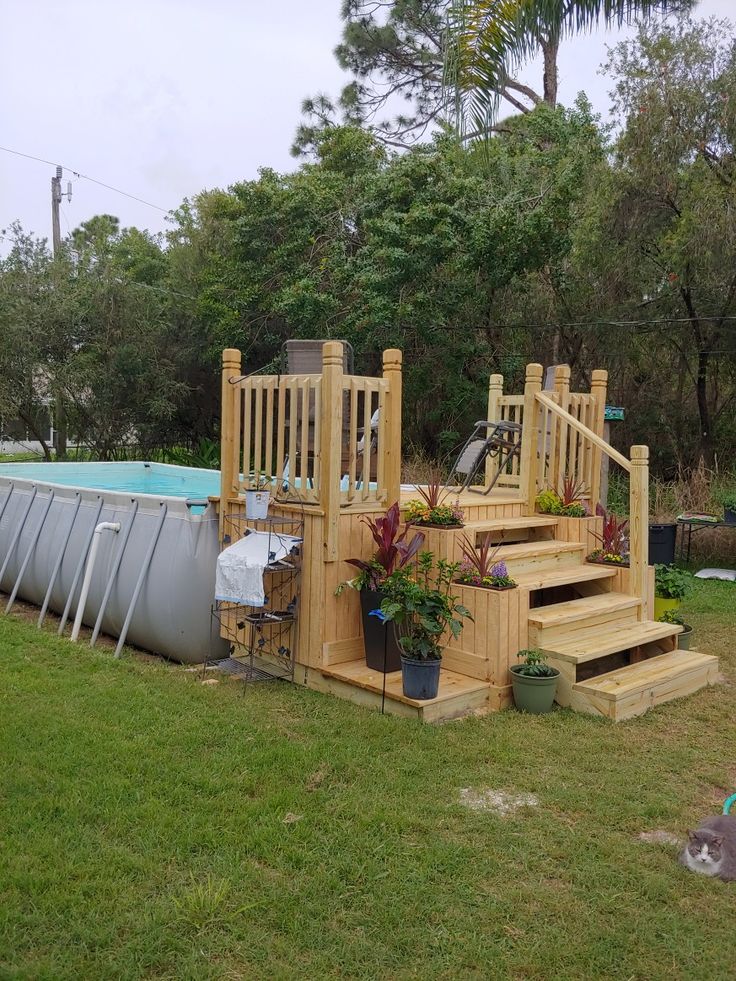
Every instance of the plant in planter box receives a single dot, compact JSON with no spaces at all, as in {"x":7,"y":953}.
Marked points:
{"x":393,"y":552}
{"x":674,"y":616}
{"x":479,"y":567}
{"x":566,"y":502}
{"x":422,"y":609}
{"x":728,"y":500}
{"x":432,"y":511}
{"x":671,"y":586}
{"x":614,"y":540}
{"x":534,"y":682}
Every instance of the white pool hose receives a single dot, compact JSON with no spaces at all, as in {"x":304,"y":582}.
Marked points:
{"x":86,"y":582}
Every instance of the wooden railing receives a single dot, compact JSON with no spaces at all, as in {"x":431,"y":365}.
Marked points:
{"x":326,"y":440}
{"x":563,"y":438}
{"x":504,"y":408}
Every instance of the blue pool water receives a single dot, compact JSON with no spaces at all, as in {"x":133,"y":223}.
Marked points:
{"x":158,"y":479}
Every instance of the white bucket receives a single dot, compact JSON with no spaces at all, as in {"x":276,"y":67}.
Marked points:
{"x":256,"y":503}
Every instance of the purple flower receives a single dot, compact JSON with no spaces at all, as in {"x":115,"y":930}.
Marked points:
{"x":499,"y":570}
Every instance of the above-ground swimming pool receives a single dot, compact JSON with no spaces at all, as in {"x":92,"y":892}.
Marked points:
{"x":163,"y":556}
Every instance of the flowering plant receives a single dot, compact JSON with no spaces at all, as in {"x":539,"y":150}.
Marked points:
{"x":431,"y":509}
{"x":419,"y":513}
{"x":478,"y":567}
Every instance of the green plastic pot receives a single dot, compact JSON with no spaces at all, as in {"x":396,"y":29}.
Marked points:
{"x":661,"y":605}
{"x":683,"y":639}
{"x":533,"y":695}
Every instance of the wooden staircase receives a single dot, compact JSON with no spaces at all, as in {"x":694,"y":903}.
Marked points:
{"x":611,"y":661}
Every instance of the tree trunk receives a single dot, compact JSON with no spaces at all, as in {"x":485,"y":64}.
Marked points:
{"x":550,"y":48}
{"x":706,"y":434}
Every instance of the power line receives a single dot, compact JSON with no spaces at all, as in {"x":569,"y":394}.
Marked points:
{"x":86,"y":177}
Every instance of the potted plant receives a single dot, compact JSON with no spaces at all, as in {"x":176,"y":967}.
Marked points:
{"x":432,"y":511}
{"x":614,"y":539}
{"x":567,"y":502}
{"x":671,"y":585}
{"x":674,"y":616}
{"x":393,"y":552}
{"x":728,"y":501}
{"x":478,"y":567}
{"x":422,"y":609}
{"x":534,"y":682}
{"x":257,"y":499}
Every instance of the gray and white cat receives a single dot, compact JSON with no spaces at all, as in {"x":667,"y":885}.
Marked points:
{"x":711,"y":848}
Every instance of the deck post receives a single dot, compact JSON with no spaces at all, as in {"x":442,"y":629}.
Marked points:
{"x":598,"y":387}
{"x":331,"y":445}
{"x":229,"y":433}
{"x":392,"y":361}
{"x":639,"y":526}
{"x":558,"y":463}
{"x":530,"y":436}
{"x":495,"y":392}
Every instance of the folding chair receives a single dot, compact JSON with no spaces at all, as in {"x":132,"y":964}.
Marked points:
{"x":495,"y":440}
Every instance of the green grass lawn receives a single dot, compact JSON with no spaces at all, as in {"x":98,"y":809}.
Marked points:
{"x":149,"y":829}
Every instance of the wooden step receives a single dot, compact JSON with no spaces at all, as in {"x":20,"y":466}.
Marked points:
{"x":458,"y":695}
{"x":511,"y":524}
{"x":547,"y":578}
{"x":559,"y":622}
{"x":593,"y":644}
{"x":630,"y":691}
{"x":559,"y":614}
{"x":526,"y":557}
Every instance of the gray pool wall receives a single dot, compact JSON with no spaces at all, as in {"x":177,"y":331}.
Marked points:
{"x":172,"y":614}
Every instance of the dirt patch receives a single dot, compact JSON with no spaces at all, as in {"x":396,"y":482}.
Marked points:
{"x":659,"y":837}
{"x":499,"y":802}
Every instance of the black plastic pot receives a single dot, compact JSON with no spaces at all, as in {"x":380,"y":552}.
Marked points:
{"x":376,"y":634}
{"x":729,"y":516}
{"x":420,"y":679}
{"x":662,"y":539}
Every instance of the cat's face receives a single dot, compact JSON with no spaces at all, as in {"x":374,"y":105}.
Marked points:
{"x":705,"y":847}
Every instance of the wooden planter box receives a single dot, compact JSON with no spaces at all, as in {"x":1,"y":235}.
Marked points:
{"x":497,"y":589}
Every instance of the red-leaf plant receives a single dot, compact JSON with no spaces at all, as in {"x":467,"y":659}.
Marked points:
{"x":392,"y":553}
{"x":614,"y":538}
{"x":572,"y":491}
{"x":478,"y":559}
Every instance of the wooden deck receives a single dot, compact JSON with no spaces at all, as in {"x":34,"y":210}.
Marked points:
{"x":593,"y":620}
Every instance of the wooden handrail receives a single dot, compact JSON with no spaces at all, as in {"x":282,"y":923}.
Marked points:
{"x":584,"y":431}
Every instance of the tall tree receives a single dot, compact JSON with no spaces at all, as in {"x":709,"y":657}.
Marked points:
{"x":489,"y":39}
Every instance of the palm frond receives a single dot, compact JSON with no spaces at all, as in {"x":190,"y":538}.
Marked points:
{"x":488,"y":39}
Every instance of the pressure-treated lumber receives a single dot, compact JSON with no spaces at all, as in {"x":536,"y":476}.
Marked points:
{"x":595,"y":644}
{"x":583,"y":430}
{"x":331,"y":438}
{"x":632,"y":690}
{"x":545,"y":579}
{"x":392,"y":359}
{"x":639,"y":525}
{"x":457,"y":694}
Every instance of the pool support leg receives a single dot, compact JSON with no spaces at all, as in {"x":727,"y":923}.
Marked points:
{"x":113,"y":575}
{"x":80,"y":566}
{"x":139,"y":584}
{"x":18,"y":532}
{"x":29,"y":553}
{"x":57,"y":564}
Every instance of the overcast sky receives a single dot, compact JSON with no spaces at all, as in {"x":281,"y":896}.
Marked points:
{"x":163,"y":98}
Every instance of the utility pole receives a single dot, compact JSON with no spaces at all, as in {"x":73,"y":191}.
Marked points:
{"x":55,"y":205}
{"x":59,"y":413}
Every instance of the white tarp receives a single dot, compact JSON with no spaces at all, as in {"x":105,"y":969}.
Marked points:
{"x":239,"y":577}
